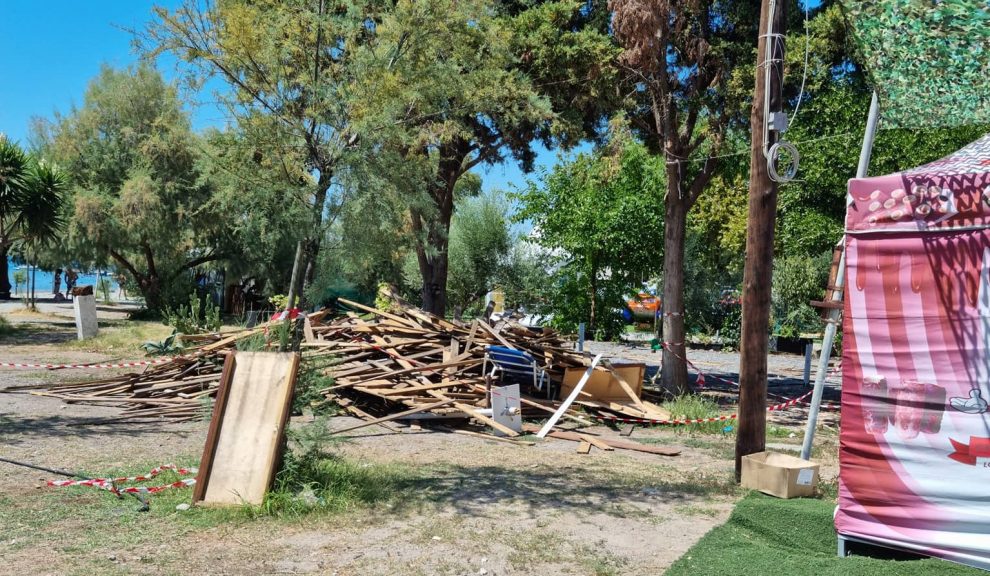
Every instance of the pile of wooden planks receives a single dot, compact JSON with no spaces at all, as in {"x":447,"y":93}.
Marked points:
{"x":179,"y":390}
{"x":384,"y":365}
{"x":407,"y":361}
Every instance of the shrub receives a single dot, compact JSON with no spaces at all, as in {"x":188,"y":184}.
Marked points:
{"x":202,"y":315}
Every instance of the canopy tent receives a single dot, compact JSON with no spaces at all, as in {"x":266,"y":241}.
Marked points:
{"x":915,"y":440}
{"x":928,"y":60}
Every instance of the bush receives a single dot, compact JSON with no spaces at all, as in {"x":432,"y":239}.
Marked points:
{"x":202,"y":315}
{"x":797,"y":280}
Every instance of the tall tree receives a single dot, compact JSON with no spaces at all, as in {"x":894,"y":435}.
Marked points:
{"x":681,"y":57}
{"x":32,"y":192}
{"x":138,"y":200}
{"x":479,"y":246}
{"x":447,"y":86}
{"x":262,"y":206}
{"x":595,"y":214}
{"x":286,"y":66}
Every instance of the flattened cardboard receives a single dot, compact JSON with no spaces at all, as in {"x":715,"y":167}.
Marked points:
{"x":602,"y":385}
{"x":779,"y":475}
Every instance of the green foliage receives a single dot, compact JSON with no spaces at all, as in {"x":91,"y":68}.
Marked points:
{"x":266,"y":208}
{"x":276,"y":337}
{"x":32,"y":193}
{"x":695,"y":407}
{"x":279,"y":301}
{"x":202,"y":315}
{"x":168,"y":347}
{"x":20,"y":277}
{"x":311,"y":478}
{"x":597,"y":216}
{"x":478,"y":250}
{"x":103,"y":287}
{"x":730,"y":330}
{"x":924,"y":57}
{"x":310,"y":381}
{"x":797,"y":280}
{"x":138,"y":200}
{"x":6,"y":328}
{"x":460,"y":90}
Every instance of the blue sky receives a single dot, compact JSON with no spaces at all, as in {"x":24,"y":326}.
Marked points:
{"x":50,"y":50}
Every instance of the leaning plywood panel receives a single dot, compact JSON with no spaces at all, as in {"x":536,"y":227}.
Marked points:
{"x":246,"y":434}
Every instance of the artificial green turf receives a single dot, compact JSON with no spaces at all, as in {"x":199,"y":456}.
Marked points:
{"x":766,"y":536}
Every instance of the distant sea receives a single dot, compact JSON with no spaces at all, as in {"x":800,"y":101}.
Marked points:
{"x":45,"y":278}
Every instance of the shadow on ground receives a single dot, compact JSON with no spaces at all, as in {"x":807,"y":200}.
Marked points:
{"x":485,"y":490}
{"x":16,"y":429}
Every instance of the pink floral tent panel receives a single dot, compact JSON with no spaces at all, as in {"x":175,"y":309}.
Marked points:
{"x":915,"y":440}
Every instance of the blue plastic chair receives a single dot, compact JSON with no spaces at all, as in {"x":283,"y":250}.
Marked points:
{"x":516,"y":365}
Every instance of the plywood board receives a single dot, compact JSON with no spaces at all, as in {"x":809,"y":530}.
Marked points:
{"x":247,"y":430}
{"x":603,"y":386}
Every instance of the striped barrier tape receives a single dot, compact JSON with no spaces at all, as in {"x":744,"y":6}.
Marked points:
{"x":625,"y":419}
{"x":110,"y":484}
{"x":701,"y":380}
{"x":84,"y":366}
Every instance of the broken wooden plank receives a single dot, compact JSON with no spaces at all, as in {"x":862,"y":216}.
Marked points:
{"x":596,"y":442}
{"x":570,"y":399}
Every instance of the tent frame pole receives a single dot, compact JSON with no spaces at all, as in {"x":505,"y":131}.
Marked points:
{"x":834,"y":314}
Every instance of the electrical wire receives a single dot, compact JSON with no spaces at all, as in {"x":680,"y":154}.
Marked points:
{"x":772,"y":153}
{"x":804,"y":74}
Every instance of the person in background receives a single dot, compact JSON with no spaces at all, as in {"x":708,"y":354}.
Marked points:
{"x":70,"y":281}
{"x":57,"y":283}
{"x":121,"y":291}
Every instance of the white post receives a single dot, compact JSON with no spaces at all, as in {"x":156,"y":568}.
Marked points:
{"x":570,"y":399}
{"x":840,"y":282}
{"x":85,"y":311}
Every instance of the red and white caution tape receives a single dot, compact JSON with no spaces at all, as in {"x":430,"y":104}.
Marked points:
{"x":773,"y":408}
{"x":702,"y":377}
{"x":110,"y":484}
{"x":84,"y":366}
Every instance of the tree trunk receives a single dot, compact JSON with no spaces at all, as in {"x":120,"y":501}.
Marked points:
{"x":313,"y":240}
{"x":592,"y":300}
{"x":674,"y":371}
{"x":433,"y":265}
{"x":151,"y":289}
{"x":4,"y":276}
{"x":433,"y":255}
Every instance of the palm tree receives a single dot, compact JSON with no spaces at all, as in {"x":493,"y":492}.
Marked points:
{"x":32,"y":192}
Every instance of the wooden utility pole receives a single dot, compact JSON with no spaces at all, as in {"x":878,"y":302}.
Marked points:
{"x":751,"y":436}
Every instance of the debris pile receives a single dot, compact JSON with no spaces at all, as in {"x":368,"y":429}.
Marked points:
{"x":384,"y":365}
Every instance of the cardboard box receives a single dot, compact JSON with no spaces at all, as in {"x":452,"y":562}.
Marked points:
{"x":779,"y":475}
{"x":602,"y":385}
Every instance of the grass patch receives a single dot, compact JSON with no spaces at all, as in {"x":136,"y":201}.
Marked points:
{"x":6,"y":328}
{"x":122,"y":338}
{"x":696,"y":407}
{"x":766,"y":535}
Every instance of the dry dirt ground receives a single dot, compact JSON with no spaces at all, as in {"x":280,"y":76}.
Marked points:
{"x":449,"y":504}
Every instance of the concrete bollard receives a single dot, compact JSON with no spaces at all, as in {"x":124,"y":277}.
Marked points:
{"x":86,"y":324}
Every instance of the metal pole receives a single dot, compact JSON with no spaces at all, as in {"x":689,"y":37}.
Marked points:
{"x":840,"y":281}
{"x":808,"y":353}
{"x":580,"y":342}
